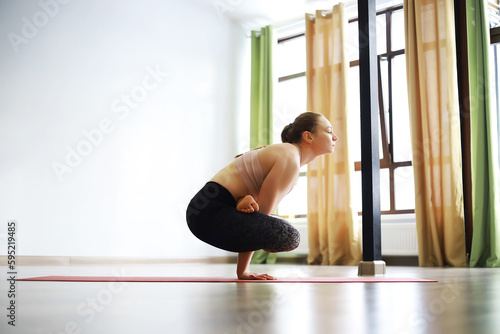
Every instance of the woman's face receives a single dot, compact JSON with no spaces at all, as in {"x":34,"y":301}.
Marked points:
{"x":324,"y":139}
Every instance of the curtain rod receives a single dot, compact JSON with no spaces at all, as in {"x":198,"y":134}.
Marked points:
{"x":295,"y":21}
{"x":348,"y":6}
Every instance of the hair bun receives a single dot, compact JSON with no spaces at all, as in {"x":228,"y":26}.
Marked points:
{"x":285,"y":134}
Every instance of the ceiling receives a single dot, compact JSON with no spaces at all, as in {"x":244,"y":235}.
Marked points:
{"x":254,"y":14}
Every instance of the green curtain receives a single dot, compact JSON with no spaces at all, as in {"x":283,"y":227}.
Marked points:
{"x":261,"y":103}
{"x":261,"y":95}
{"x":485,"y":250}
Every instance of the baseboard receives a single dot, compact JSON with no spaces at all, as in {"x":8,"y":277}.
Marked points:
{"x":24,"y":260}
{"x":399,"y":261}
{"x":403,"y":261}
{"x":292,"y":259}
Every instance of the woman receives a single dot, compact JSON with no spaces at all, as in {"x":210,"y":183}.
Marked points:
{"x":232,"y":211}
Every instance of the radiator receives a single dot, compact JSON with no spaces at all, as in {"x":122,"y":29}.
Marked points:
{"x":399,"y":239}
{"x":399,"y":236}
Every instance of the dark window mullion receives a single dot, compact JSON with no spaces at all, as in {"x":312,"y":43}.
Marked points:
{"x":383,"y":122}
{"x":389,"y":83}
{"x":388,"y":20}
{"x":381,"y":12}
{"x":393,"y":189}
{"x":291,"y":76}
{"x":287,"y":38}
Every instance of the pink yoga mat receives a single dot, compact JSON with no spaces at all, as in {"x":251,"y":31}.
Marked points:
{"x":362,"y":279}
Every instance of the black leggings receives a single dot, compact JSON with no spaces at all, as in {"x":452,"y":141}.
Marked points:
{"x":213,"y":218}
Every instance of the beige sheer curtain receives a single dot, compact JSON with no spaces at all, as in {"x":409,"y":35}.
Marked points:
{"x":435,"y":129}
{"x":334,"y":236}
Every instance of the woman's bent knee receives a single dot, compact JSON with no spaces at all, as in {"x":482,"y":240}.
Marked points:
{"x":287,"y":241}
{"x":294,"y":239}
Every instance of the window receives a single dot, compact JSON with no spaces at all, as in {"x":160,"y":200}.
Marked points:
{"x":396,"y":173}
{"x":397,"y":195}
{"x":290,"y":100}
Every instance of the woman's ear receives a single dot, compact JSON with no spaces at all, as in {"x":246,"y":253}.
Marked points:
{"x":307,"y":137}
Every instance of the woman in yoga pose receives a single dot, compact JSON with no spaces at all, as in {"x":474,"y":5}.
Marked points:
{"x":233,"y":210}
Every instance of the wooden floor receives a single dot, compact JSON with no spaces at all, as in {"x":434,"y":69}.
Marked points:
{"x":464,"y":301}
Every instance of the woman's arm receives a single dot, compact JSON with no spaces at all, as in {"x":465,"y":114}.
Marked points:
{"x":280,"y":179}
{"x":242,"y":268}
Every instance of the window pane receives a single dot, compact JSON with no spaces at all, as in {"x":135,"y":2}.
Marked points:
{"x":381,"y":34}
{"x":398,"y":30}
{"x":352,"y":43}
{"x":358,"y":203}
{"x":385,"y":193}
{"x":290,"y":100}
{"x":400,"y":114}
{"x":291,"y":57}
{"x":384,"y":74}
{"x":404,"y":188}
{"x":380,"y":148}
{"x":295,"y":203}
{"x":354,"y":116}
{"x":385,"y":190}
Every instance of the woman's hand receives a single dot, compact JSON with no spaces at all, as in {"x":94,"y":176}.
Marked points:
{"x":255,"y":276}
{"x":242,"y":269}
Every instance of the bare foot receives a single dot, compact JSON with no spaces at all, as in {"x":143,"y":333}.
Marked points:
{"x":247,"y":204}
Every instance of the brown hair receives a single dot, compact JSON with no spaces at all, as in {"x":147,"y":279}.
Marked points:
{"x":308,"y":121}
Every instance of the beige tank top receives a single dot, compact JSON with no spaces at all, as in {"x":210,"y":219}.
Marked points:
{"x":250,"y":170}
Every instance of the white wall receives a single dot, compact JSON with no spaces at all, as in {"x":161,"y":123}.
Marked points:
{"x":127,"y":194}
